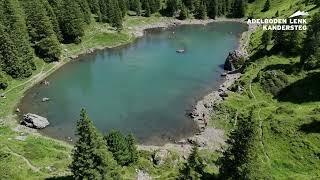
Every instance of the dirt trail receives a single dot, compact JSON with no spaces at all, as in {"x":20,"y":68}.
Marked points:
{"x":32,"y":167}
{"x":260,"y":123}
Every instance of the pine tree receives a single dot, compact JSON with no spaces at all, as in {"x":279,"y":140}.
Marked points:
{"x":11,"y":17}
{"x":132,"y":148}
{"x":70,"y":20}
{"x":94,"y":6}
{"x":266,"y":6}
{"x":201,"y":11}
{"x":183,"y":13}
{"x":137,"y":7}
{"x":311,"y":42}
{"x":123,"y":7}
{"x":279,"y":40}
{"x":147,"y":10}
{"x":171,"y":7}
{"x":189,"y":4}
{"x":212,"y":9}
{"x":238,"y":10}
{"x":104,"y":10}
{"x":118,"y":145}
{"x":53,"y":19}
{"x":238,"y":159}
{"x":266,"y":38}
{"x":293,"y":44}
{"x":9,"y":56}
{"x":154,"y":5}
{"x":41,"y":31}
{"x":115,"y":16}
{"x":91,"y":158}
{"x":85,"y":9}
{"x":194,"y":167}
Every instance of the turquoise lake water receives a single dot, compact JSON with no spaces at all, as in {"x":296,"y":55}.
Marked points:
{"x":145,"y":88}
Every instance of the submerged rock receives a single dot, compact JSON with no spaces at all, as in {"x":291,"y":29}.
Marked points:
{"x":34,"y":121}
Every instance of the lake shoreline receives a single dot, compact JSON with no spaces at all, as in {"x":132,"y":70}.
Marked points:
{"x":209,"y":138}
{"x":136,"y":33}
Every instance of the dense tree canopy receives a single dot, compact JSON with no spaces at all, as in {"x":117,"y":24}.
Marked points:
{"x":43,"y":37}
{"x":20,"y":63}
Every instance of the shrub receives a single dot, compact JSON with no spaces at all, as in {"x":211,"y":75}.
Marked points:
{"x":3,"y":81}
{"x":272,"y":81}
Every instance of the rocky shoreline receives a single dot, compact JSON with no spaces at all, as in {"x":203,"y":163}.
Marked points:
{"x":209,"y":138}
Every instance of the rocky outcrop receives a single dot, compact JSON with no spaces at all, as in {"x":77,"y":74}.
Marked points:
{"x":34,"y":121}
{"x":232,"y":58}
{"x":159,"y":157}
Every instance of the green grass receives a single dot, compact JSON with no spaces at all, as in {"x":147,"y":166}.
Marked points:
{"x":290,"y":125}
{"x":42,"y":153}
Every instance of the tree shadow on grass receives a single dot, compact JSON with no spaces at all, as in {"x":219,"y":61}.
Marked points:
{"x":60,"y":178}
{"x":313,"y":127}
{"x":304,"y":90}
{"x":260,"y":53}
{"x":286,"y":68}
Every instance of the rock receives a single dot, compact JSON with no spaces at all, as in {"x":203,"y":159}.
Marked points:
{"x":207,"y":105}
{"x":223,"y":94}
{"x":183,"y":141}
{"x":45,"y":82}
{"x":21,"y":138}
{"x":2,"y":95}
{"x":17,"y":110}
{"x":141,"y":175}
{"x":34,"y":121}
{"x":160,"y":156}
{"x":198,"y":141}
{"x":231,"y":59}
{"x":45,"y":99}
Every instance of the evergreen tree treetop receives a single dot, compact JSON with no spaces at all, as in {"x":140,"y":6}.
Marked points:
{"x":91,"y":158}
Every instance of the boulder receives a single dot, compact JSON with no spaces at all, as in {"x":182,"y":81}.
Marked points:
{"x":45,"y":99}
{"x":160,"y":156}
{"x":34,"y":121}
{"x":223,"y":94}
{"x":233,"y":57}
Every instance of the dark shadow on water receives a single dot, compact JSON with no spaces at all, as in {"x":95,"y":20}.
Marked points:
{"x":221,"y":66}
{"x":313,"y":127}
{"x":304,"y":90}
{"x":60,"y":178}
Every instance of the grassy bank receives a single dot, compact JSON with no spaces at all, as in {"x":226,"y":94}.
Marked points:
{"x":287,"y":124}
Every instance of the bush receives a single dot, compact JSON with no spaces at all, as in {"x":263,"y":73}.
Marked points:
{"x":284,"y":110}
{"x":272,"y":81}
{"x":3,"y":81}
